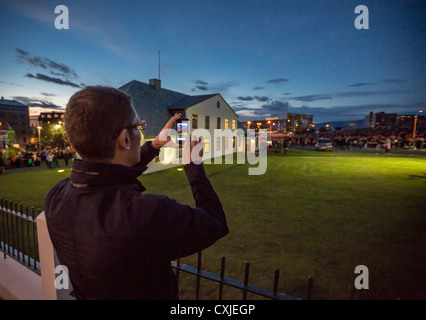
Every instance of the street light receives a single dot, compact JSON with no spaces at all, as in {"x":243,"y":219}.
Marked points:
{"x":248,"y":124}
{"x":415,"y":124}
{"x":39,"y":138}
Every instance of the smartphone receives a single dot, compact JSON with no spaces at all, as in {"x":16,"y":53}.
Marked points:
{"x":182,"y":126}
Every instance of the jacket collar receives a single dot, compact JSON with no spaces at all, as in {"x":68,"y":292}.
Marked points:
{"x":93,"y":174}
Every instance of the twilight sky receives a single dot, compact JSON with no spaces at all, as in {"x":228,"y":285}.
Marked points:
{"x":263,"y":57}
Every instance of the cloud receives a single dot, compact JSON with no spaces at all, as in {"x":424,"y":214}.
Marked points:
{"x":363,"y":84}
{"x":220,"y":87}
{"x":261,"y":99}
{"x":313,"y":97}
{"x":351,"y":94}
{"x":11,"y":84}
{"x":258,"y":88}
{"x":43,"y":77}
{"x":394,"y":81}
{"x":346,"y":94}
{"x":201,"y":82}
{"x":202,"y":88}
{"x":248,"y":98}
{"x":277,"y":81}
{"x":55,"y":68}
{"x":275,"y":106}
{"x":48,"y":94}
{"x":36,"y":102}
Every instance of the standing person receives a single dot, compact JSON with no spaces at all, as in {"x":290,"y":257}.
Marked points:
{"x":388,"y":146}
{"x":116,"y":242}
{"x":49,"y":159}
{"x":66,"y":157}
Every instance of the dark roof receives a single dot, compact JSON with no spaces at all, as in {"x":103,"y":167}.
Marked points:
{"x":151,"y":104}
{"x":190,"y":101}
{"x":11,"y":103}
{"x":156,"y":106}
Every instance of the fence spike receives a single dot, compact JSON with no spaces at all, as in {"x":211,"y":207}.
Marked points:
{"x":222,"y":276}
{"x":310,"y":285}
{"x":246,"y":280}
{"x":276,"y":280}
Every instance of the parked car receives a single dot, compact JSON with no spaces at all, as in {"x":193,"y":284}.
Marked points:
{"x":323,"y":144}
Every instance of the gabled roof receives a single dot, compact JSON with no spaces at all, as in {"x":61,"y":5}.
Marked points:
{"x":152,"y":105}
{"x":190,"y":101}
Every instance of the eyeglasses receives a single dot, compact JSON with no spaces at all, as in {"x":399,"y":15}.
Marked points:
{"x":138,"y":126}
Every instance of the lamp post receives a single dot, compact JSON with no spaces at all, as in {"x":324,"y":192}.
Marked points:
{"x":415,"y":124}
{"x":39,"y":138}
{"x":248,"y":124}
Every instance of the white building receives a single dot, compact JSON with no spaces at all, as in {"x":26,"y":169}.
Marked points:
{"x":156,"y":105}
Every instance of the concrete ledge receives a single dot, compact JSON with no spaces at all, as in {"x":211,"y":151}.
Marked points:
{"x":17,"y":282}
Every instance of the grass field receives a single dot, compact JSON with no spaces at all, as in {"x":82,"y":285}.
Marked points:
{"x":310,"y":214}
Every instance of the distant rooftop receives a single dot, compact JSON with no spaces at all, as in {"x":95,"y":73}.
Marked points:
{"x":11,"y":103}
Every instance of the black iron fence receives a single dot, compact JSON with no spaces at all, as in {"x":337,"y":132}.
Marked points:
{"x":18,"y":239}
{"x":244,"y":286}
{"x":18,"y":233}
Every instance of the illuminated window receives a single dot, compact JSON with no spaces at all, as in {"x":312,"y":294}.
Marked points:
{"x":194,"y":121}
{"x":233,"y":124}
{"x":226,"y":123}
{"x":207,"y":145}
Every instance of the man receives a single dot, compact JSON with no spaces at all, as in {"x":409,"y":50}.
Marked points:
{"x":116,"y":242}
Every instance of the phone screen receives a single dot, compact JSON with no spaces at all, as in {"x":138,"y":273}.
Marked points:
{"x":182,"y":131}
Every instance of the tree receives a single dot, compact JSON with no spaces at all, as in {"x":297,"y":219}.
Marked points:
{"x":53,"y":135}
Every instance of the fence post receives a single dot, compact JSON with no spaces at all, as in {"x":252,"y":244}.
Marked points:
{"x":276,"y":281}
{"x":47,"y":259}
{"x":246,"y":279}
{"x":197,"y":287}
{"x":222,"y":276}
{"x":310,"y":285}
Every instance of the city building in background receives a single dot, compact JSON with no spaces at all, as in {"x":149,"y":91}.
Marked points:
{"x":16,"y":115}
{"x":283,"y":123}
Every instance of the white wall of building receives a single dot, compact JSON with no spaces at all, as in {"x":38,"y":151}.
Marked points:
{"x":216,"y":107}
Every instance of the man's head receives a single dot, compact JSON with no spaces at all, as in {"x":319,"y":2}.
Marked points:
{"x":101,"y":125}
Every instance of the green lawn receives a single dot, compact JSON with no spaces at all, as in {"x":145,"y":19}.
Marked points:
{"x":318,"y":214}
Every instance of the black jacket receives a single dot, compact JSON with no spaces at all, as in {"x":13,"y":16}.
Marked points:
{"x":118,"y":243}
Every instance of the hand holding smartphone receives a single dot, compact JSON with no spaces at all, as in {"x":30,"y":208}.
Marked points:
{"x":182,"y":126}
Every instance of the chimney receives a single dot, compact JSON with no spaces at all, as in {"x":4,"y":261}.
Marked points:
{"x":155,"y":83}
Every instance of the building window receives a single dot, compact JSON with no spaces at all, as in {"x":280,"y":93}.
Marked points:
{"x":226,"y":123}
{"x":233,"y":125}
{"x":194,"y":121}
{"x":207,"y":123}
{"x":218,"y":123}
{"x":207,"y":145}
{"x":218,"y":104}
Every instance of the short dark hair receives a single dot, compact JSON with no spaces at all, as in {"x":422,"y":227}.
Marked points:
{"x":92,"y":117}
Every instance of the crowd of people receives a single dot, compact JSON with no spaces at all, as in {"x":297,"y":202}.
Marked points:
{"x":27,"y":158}
{"x":388,"y":137}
